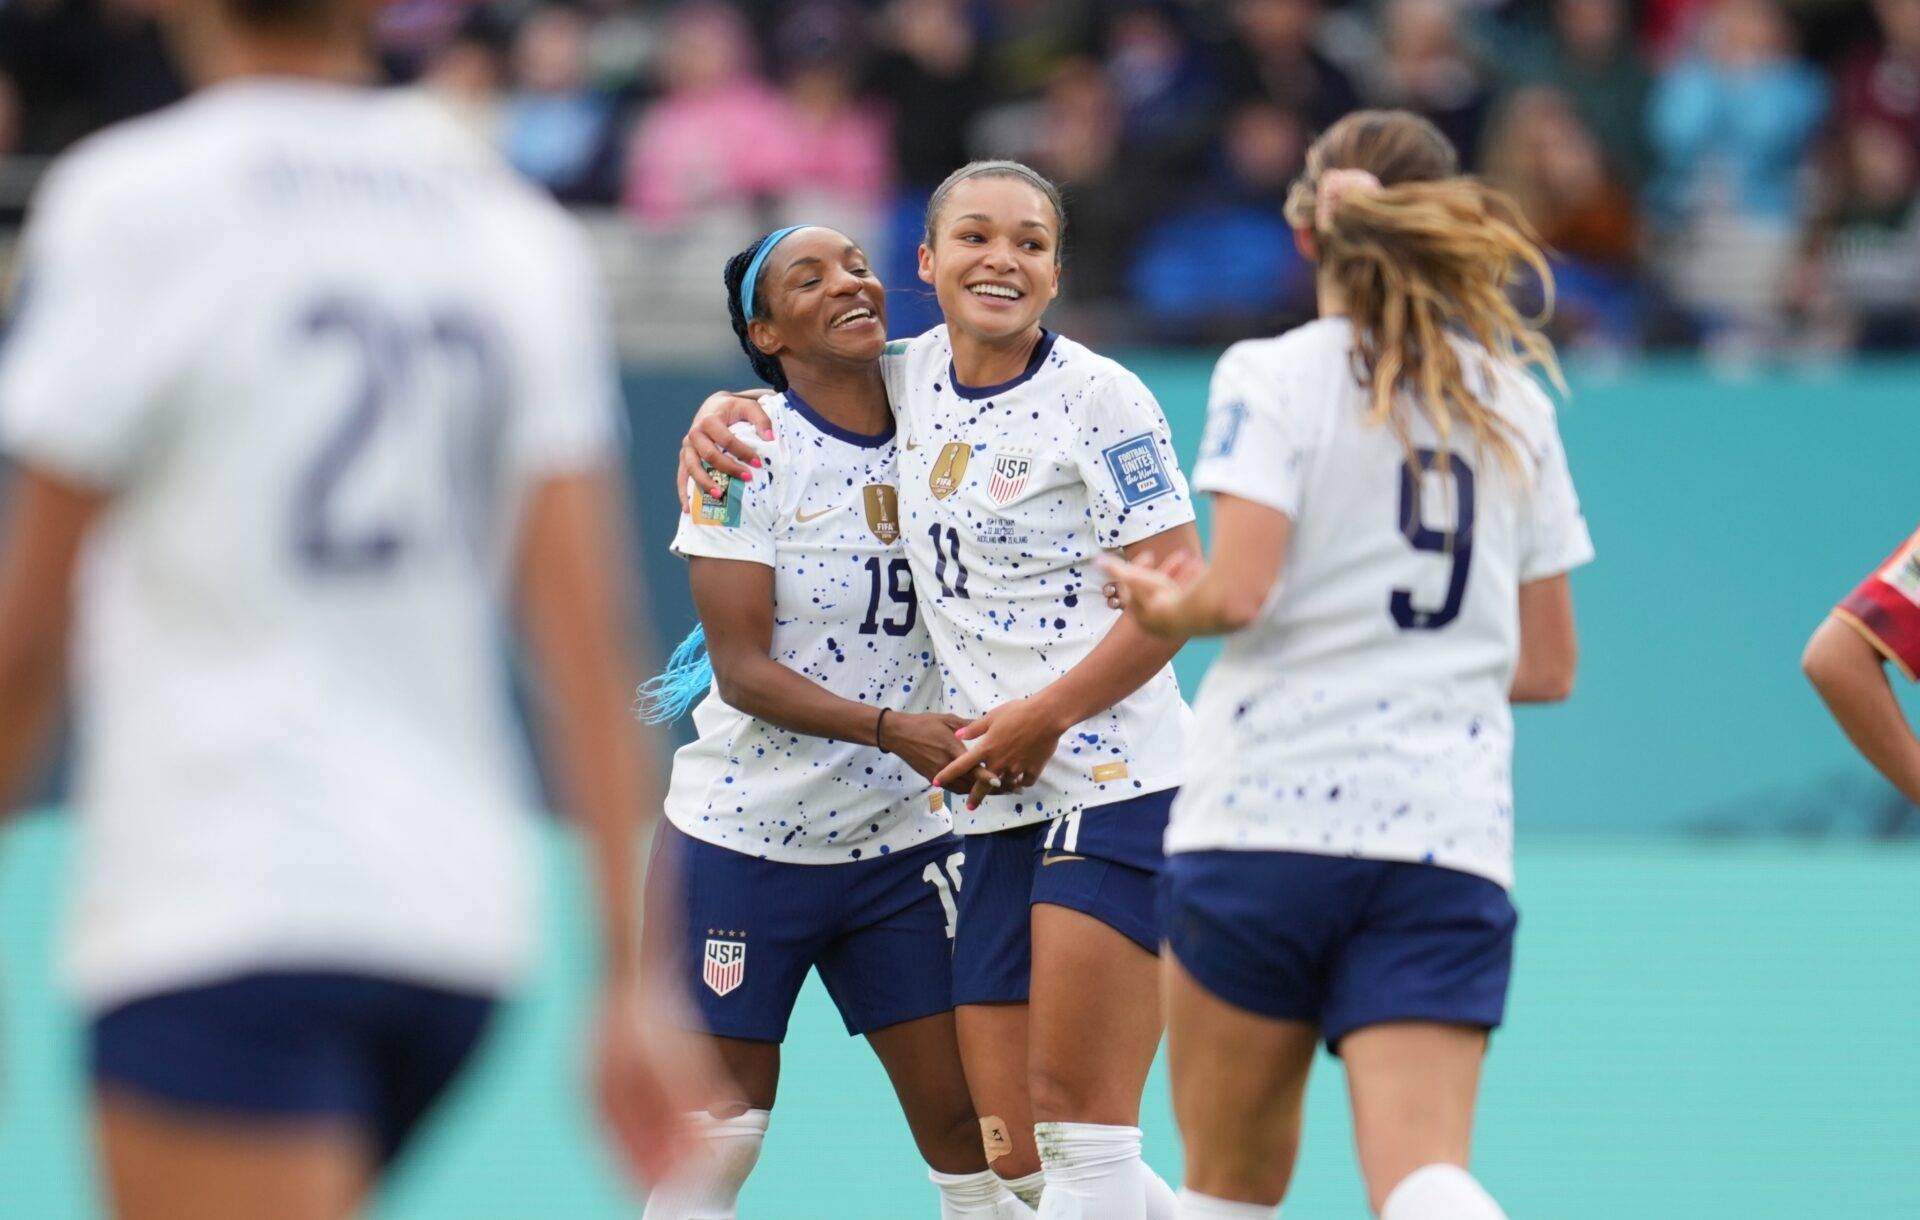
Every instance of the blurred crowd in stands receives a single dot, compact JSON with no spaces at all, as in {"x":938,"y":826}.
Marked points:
{"x":1736,"y":174}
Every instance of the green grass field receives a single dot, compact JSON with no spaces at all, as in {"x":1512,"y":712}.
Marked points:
{"x":1698,"y":1031}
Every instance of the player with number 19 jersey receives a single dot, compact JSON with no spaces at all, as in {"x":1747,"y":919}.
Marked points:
{"x":1365,"y":712}
{"x":823,"y":513}
{"x":876,"y":859}
{"x":1008,"y":494}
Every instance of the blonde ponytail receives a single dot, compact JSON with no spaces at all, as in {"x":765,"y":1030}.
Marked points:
{"x":1427,"y":255}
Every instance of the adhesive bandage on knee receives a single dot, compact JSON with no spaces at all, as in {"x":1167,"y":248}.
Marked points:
{"x":710,"y":1189}
{"x":977,"y":1196}
{"x":1195,"y":1206}
{"x":1027,"y":1189}
{"x":995,"y":1139}
{"x":1093,"y":1172}
{"x":1440,"y":1192}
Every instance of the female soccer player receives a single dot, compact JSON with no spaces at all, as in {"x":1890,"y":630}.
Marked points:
{"x":1846,"y":661}
{"x":1393,"y":527}
{"x":1023,"y":457}
{"x":806,"y":833}
{"x":302,"y":378}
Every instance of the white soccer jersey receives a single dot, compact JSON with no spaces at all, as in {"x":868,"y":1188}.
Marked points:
{"x":1365,"y":713}
{"x":319,"y":345}
{"x":1008,"y":495}
{"x":823,"y":513}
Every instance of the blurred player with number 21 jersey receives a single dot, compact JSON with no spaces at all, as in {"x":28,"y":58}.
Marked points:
{"x":301,"y":383}
{"x":1393,"y":525}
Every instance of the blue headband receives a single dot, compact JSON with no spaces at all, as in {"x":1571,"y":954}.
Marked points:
{"x":752,"y":277}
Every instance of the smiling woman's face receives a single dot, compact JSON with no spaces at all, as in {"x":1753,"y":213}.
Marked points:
{"x":995,"y":257}
{"x":823,"y":301}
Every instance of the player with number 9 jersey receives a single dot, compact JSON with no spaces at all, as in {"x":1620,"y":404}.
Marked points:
{"x":1393,"y":527}
{"x":1365,"y":712}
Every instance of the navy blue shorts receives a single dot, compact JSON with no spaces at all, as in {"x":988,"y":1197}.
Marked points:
{"x":1339,"y":942}
{"x":1101,"y":861}
{"x":878,"y":930}
{"x":303,"y":1044}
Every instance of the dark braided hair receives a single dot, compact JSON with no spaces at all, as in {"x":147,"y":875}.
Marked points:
{"x":766,"y":367}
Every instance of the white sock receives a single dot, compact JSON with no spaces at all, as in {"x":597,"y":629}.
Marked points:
{"x":1027,"y":1189}
{"x":1093,"y":1172}
{"x":980,"y":1194}
{"x":710,"y":1189}
{"x":1205,"y":1207}
{"x":1161,"y":1205}
{"x":1440,"y":1192}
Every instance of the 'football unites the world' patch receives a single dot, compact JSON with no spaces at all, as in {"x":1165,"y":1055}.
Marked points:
{"x":1137,"y":469}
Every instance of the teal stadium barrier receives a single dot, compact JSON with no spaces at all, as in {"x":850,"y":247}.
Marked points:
{"x":1718,"y":976}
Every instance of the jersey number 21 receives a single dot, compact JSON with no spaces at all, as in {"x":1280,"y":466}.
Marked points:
{"x":400,"y":364}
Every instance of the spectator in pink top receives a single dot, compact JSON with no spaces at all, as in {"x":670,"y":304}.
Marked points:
{"x":840,"y":141}
{"x":720,"y":134}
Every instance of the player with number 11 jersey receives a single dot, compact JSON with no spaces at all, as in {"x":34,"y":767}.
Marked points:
{"x":1010,"y":492}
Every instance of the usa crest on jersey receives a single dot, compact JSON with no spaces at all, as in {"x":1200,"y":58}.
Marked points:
{"x":725,"y":965}
{"x":1010,"y":474}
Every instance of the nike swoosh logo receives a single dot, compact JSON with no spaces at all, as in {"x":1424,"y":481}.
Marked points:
{"x":1059,"y":859}
{"x":803,"y":518}
{"x":910,"y":443}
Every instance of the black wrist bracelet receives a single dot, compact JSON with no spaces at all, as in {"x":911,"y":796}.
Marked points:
{"x":878,"y":721}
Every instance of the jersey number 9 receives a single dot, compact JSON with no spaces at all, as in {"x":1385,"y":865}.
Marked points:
{"x":1456,"y":543}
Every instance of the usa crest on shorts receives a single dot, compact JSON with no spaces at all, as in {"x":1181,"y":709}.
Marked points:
{"x":1010,"y":474}
{"x":725,"y":965}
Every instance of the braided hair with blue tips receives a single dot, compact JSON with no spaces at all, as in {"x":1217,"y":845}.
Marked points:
{"x":669,"y":695}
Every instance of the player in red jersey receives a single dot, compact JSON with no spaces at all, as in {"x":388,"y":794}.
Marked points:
{"x":1846,"y":661}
